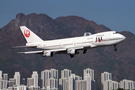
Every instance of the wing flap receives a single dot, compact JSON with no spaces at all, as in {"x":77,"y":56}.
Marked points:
{"x":30,"y":52}
{"x":76,"y":48}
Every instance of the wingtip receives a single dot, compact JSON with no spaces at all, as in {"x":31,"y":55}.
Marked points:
{"x":16,"y":47}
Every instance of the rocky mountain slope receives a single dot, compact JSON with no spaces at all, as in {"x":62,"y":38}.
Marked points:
{"x":121,"y":63}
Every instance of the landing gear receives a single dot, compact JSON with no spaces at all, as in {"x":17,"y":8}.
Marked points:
{"x":84,"y":51}
{"x":76,"y":52}
{"x":71,"y":55}
{"x":115,"y":49}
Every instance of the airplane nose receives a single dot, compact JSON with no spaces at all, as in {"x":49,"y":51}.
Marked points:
{"x":123,"y":37}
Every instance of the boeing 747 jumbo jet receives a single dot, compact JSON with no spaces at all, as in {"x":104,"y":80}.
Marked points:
{"x":70,"y":46}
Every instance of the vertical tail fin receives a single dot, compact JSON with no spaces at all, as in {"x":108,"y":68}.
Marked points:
{"x":29,"y":35}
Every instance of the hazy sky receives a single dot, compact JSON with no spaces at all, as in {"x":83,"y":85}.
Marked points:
{"x":118,"y":15}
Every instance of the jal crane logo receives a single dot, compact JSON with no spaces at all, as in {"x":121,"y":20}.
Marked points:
{"x":27,"y":33}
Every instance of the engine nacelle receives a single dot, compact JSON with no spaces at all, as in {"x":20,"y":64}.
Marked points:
{"x":72,"y":51}
{"x":47,"y":54}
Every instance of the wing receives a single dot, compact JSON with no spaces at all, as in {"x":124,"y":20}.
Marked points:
{"x":57,"y":51}
{"x":41,"y":51}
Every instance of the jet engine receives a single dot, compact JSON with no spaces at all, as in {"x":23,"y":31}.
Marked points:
{"x":72,"y":51}
{"x":47,"y":54}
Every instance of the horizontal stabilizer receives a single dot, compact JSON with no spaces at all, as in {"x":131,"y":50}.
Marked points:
{"x":24,"y":47}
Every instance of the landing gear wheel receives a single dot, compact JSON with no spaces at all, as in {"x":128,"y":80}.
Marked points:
{"x":84,"y":51}
{"x":71,"y":56}
{"x":77,"y":53}
{"x":115,"y":49}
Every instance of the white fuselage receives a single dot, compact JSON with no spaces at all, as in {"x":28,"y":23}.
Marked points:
{"x":95,"y":40}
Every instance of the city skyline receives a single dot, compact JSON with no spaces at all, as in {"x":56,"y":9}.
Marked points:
{"x":68,"y":81}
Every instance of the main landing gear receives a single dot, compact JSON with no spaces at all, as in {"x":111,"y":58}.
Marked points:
{"x":71,"y":55}
{"x":84,"y":51}
{"x":115,"y":49}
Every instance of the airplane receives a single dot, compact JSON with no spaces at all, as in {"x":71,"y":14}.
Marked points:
{"x":70,"y":46}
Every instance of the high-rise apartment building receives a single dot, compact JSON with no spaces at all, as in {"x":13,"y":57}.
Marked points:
{"x":80,"y":85}
{"x":63,"y":81}
{"x":111,"y":85}
{"x":63,"y":84}
{"x":104,"y":77}
{"x":65,"y":73}
{"x":0,"y":74}
{"x":107,"y":83}
{"x":3,"y":84}
{"x":11,"y":82}
{"x":71,"y":81}
{"x":53,"y":83}
{"x":5,"y":76}
{"x":17,"y":78}
{"x":88,"y":75}
{"x":35,"y":77}
{"x":89,"y":71}
{"x":30,"y":82}
{"x":115,"y":85}
{"x":46,"y":75}
{"x":54,"y":73}
{"x":33,"y":81}
{"x":87,"y":78}
{"x":127,"y":84}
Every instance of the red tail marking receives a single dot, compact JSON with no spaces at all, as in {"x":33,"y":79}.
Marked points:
{"x":27,"y":33}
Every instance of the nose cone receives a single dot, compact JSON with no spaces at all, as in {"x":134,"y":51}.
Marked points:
{"x":123,"y":37}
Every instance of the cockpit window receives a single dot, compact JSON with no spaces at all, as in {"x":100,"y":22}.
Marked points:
{"x":115,"y":33}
